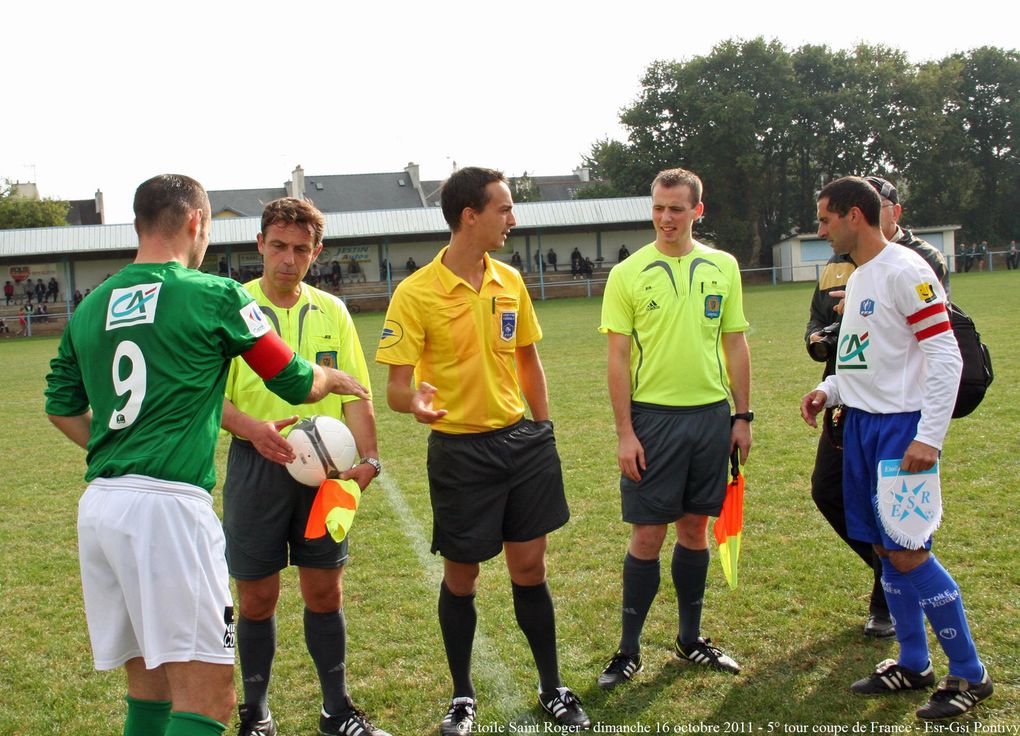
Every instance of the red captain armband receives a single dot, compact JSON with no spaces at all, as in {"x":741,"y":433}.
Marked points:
{"x":268,"y":356}
{"x":930,"y":321}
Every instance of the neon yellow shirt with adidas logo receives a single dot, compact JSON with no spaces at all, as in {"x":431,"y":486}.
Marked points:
{"x":675,"y":310}
{"x":319,"y":329}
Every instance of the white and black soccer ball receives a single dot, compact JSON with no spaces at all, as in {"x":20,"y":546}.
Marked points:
{"x":324,"y":447}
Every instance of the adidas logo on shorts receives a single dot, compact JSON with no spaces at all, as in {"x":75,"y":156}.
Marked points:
{"x":229,"y":633}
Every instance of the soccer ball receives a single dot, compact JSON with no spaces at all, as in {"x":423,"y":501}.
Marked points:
{"x":324,"y":448}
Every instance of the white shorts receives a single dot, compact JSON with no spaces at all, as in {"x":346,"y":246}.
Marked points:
{"x":154,"y":573}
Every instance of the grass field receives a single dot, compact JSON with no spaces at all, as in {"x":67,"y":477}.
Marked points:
{"x":794,"y":622}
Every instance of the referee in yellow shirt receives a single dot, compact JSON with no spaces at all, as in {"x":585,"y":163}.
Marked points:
{"x":674,"y":315}
{"x":464,"y":329}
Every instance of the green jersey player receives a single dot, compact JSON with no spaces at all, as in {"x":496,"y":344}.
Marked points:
{"x":138,"y":381}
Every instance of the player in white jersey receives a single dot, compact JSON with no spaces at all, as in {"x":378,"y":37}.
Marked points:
{"x":897,"y":371}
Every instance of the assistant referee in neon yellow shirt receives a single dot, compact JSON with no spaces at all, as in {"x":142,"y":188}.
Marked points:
{"x":674,"y":315}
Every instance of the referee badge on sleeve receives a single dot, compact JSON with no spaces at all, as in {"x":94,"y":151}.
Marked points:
{"x":507,"y":325}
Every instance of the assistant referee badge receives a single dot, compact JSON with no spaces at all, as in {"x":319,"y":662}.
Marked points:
{"x":326,"y":358}
{"x":507,"y":325}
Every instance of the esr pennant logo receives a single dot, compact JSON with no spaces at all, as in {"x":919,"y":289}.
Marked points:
{"x":132,"y":305}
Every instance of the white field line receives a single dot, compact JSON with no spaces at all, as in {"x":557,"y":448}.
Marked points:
{"x":486,"y":664}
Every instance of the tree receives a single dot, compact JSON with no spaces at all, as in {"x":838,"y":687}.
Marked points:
{"x":765,"y":128}
{"x":20,"y":212}
{"x":524,"y":189}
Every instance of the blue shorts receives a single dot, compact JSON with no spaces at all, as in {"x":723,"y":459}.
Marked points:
{"x":867,"y":439}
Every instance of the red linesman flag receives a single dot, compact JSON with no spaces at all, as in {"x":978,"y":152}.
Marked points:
{"x":333,"y":509}
{"x":728,"y":528}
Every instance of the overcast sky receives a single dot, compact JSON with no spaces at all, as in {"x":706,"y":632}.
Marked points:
{"x":105,"y":94}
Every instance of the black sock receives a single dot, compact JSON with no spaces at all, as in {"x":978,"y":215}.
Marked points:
{"x":256,"y":646}
{"x":457,"y":620}
{"x":533,"y":606}
{"x":690,"y":571}
{"x":640,"y":585}
{"x":326,"y":639}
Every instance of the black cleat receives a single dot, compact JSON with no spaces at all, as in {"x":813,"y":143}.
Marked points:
{"x":955,"y":696}
{"x":880,"y":627}
{"x":352,"y":722}
{"x":251,"y":726}
{"x":460,"y":718}
{"x":889,"y":677}
{"x":621,"y":668}
{"x":565,"y":708}
{"x":702,"y":652}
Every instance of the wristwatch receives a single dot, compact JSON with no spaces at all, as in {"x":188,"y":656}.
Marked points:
{"x":747,"y":416}
{"x":374,"y":462}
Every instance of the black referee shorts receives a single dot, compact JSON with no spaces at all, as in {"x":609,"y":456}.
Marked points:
{"x":494,"y":487}
{"x":265,"y":512}
{"x":687,"y":453}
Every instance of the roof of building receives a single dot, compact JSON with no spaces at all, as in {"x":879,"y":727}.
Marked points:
{"x":84,"y":212}
{"x":329,"y":192}
{"x":403,"y":224}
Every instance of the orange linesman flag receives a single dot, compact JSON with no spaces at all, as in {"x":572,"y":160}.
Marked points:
{"x":728,"y":528}
{"x":333,"y":509}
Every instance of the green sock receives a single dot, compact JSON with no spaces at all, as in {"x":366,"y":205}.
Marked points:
{"x":193,"y":724}
{"x":146,"y":717}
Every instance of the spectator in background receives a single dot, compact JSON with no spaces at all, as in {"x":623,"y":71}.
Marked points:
{"x":3,"y":326}
{"x":551,"y":257}
{"x":40,"y":291}
{"x":354,"y":271}
{"x":576,"y":263}
{"x":77,"y":297}
{"x":982,"y":255}
{"x":384,"y":270}
{"x":9,"y":292}
{"x":539,"y":261}
{"x":515,"y":261}
{"x":53,"y":289}
{"x":622,"y":255}
{"x":1011,"y":256}
{"x":411,"y":266}
{"x":29,"y":291}
{"x":968,"y":257}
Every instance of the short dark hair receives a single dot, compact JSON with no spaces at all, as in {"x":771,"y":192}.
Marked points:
{"x":467,"y":188}
{"x":670,"y":178}
{"x":163,"y":203}
{"x":290,"y":210}
{"x":853,"y":191}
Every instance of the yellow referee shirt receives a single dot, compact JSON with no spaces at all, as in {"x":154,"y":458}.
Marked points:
{"x":675,"y":310}
{"x":319,"y":328}
{"x":462,"y":342}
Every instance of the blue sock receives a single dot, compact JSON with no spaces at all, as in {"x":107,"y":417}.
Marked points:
{"x":943,"y":605}
{"x":905,"y":609}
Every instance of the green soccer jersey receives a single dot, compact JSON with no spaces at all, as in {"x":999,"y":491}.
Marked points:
{"x":148,"y":351}
{"x":675,"y":310}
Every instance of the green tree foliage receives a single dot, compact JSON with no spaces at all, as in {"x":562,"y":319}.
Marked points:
{"x":765,"y":127}
{"x":19,"y":212}
{"x":524,"y":189}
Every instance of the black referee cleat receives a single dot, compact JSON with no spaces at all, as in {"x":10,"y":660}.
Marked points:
{"x":889,"y":677}
{"x":565,"y":708}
